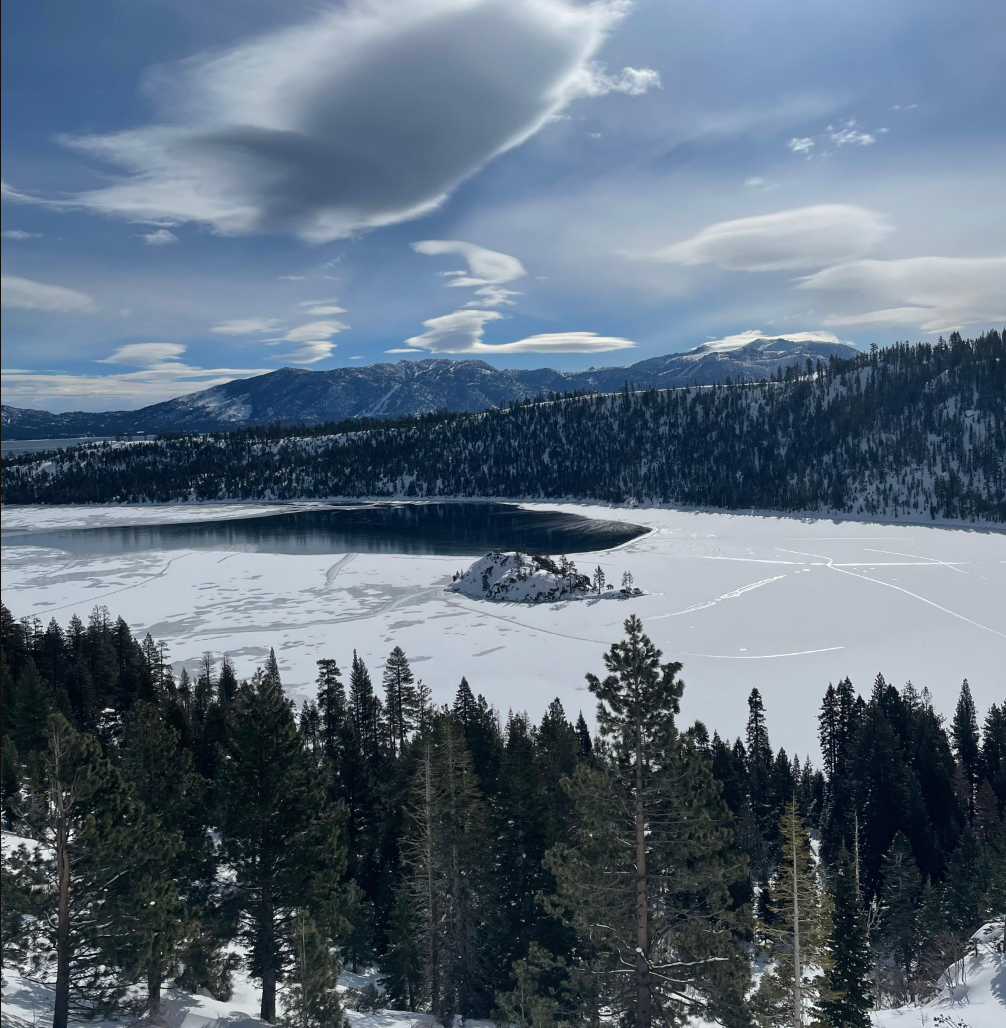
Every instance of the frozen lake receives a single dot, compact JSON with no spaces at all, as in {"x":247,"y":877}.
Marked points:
{"x":782,"y":603}
{"x":444,"y":529}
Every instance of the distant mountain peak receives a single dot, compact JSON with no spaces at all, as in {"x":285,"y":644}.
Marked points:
{"x":409,"y":387}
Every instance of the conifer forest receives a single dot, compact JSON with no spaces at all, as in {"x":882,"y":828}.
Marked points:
{"x":178,"y":830}
{"x":904,"y":430}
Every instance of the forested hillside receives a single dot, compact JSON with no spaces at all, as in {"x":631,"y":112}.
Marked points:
{"x":904,"y":430}
{"x":194,"y":825}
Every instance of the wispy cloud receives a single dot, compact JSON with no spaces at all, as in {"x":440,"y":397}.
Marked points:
{"x":245,"y":326}
{"x":806,"y":237}
{"x":142,"y":355}
{"x":315,"y":342}
{"x":19,"y":235}
{"x":321,"y":308}
{"x":308,"y":353}
{"x":25,"y":294}
{"x":488,"y":272}
{"x":161,"y":377}
{"x":462,"y":331}
{"x":936,"y":294}
{"x":311,"y":331}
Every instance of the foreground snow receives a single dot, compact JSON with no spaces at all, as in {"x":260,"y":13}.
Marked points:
{"x":976,"y":1000}
{"x":782,"y":603}
{"x":972,"y":993}
{"x":26,"y":1005}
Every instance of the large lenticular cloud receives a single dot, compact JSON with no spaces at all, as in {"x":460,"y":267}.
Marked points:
{"x":366,"y":116}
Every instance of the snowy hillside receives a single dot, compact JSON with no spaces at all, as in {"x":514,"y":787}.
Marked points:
{"x":971,"y":994}
{"x":907,"y":431}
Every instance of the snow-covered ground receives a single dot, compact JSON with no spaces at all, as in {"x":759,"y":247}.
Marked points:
{"x":976,"y":1000}
{"x":973,"y":993}
{"x":29,"y":1005}
{"x":786,"y":604}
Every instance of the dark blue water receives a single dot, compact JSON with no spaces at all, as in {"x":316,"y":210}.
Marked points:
{"x":38,"y":445}
{"x":469,"y":529}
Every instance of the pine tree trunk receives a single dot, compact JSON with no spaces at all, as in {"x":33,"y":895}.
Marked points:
{"x":268,"y":930}
{"x":61,"y":1010}
{"x":431,"y":898}
{"x":797,"y":998}
{"x":154,"y":975}
{"x":643,"y":1013}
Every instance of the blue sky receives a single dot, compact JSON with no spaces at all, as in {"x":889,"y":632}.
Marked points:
{"x":195,"y":192}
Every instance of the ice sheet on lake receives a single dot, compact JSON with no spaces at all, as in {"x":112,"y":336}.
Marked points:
{"x":782,"y":603}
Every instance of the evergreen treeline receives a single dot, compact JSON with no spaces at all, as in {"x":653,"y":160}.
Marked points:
{"x":527,"y":872}
{"x":916,"y":429}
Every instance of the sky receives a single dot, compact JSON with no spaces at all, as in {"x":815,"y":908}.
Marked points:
{"x":197,"y":192}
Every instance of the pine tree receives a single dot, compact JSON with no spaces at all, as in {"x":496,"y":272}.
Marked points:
{"x":889,"y":798}
{"x":333,"y":723}
{"x":798,"y":935}
{"x":964,"y":733}
{"x":464,"y":704}
{"x":849,"y":1001}
{"x":445,"y":859}
{"x":362,"y":769}
{"x":523,"y":829}
{"x":424,"y":864}
{"x":759,"y":776}
{"x":534,"y":999}
{"x":178,"y":858}
{"x":463,"y":826}
{"x":227,"y":683}
{"x":365,"y":708}
{"x":310,"y":990}
{"x":583,"y":736}
{"x":400,"y":698}
{"x":11,"y":779}
{"x":645,"y":882}
{"x":22,"y":882}
{"x":278,"y":834}
{"x":32,"y":705}
{"x":839,"y":724}
{"x":994,"y":751}
{"x":902,"y":892}
{"x":402,"y":965}
{"x":82,"y":814}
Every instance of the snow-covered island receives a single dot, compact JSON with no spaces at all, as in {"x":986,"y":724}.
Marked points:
{"x":515,"y":577}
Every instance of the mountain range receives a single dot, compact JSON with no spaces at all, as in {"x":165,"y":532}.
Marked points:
{"x":295,"y":396}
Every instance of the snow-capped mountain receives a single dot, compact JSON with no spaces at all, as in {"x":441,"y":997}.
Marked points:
{"x":296,"y":396}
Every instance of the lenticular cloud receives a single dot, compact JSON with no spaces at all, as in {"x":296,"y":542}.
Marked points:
{"x":368,"y":115}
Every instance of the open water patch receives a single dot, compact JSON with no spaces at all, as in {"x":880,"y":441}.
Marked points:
{"x":442,"y":529}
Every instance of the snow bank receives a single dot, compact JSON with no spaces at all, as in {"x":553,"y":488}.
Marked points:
{"x":972,"y":991}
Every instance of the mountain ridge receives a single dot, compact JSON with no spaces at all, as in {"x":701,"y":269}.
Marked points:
{"x":298,"y":396}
